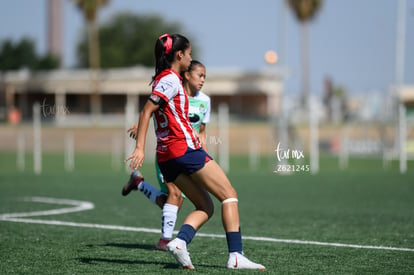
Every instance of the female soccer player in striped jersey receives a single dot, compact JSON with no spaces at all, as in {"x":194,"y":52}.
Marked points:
{"x":169,"y":197}
{"x":181,"y":158}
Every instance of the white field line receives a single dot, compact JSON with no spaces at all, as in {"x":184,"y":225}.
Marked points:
{"x":82,"y":206}
{"x":78,"y":206}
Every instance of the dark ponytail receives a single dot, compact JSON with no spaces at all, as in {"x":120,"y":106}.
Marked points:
{"x":166,"y":47}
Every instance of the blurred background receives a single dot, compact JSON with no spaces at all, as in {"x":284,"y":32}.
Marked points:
{"x":325,"y":78}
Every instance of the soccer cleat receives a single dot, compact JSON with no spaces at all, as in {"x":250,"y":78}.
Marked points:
{"x":132,"y":184}
{"x":178,"y":248}
{"x":162,"y":244}
{"x":238,"y":261}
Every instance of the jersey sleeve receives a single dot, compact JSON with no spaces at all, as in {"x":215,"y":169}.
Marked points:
{"x":166,"y":88}
{"x":206,"y":118}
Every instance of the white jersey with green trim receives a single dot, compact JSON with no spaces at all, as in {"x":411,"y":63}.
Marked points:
{"x":199,"y":110}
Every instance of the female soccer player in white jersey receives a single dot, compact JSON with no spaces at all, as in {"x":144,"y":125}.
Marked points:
{"x":169,"y":197}
{"x":181,"y":158}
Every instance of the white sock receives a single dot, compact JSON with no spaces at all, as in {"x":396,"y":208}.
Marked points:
{"x":149,"y":191}
{"x":169,"y":217}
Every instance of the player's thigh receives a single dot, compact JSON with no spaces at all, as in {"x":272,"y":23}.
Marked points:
{"x":214,"y":180}
{"x":195,"y":193}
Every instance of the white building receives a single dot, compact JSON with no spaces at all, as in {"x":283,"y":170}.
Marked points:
{"x":106,"y":93}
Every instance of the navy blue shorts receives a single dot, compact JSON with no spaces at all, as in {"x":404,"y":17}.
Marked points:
{"x":190,"y":162}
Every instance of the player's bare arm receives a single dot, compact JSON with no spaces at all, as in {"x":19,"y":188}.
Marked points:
{"x":137,"y":157}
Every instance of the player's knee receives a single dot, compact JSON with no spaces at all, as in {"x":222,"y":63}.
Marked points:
{"x":208,"y":208}
{"x":179,"y":199}
{"x":175,"y":196}
{"x":173,"y":190}
{"x":231,"y":193}
{"x":175,"y":193}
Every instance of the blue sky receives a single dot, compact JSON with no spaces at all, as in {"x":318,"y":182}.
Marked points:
{"x":351,"y":41}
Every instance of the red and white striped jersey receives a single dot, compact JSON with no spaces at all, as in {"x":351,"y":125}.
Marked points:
{"x":172,"y":126}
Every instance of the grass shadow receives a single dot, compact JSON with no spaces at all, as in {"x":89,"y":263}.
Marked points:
{"x":131,"y":246}
{"x":93,"y":260}
{"x":166,"y":265}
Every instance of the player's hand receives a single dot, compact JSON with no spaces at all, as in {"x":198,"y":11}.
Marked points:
{"x":136,"y":159}
{"x":133,"y":131}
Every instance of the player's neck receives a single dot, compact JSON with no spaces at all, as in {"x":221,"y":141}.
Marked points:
{"x":188,"y":90}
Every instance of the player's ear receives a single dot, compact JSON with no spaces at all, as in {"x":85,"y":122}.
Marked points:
{"x":187,"y":75}
{"x":179,"y":54}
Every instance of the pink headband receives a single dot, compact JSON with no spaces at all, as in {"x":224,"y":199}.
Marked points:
{"x":167,"y":43}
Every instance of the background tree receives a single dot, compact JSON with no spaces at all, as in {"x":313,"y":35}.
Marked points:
{"x":22,"y":54}
{"x":127,"y":40}
{"x":47,"y":62}
{"x":90,"y":8}
{"x":305,"y":11}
